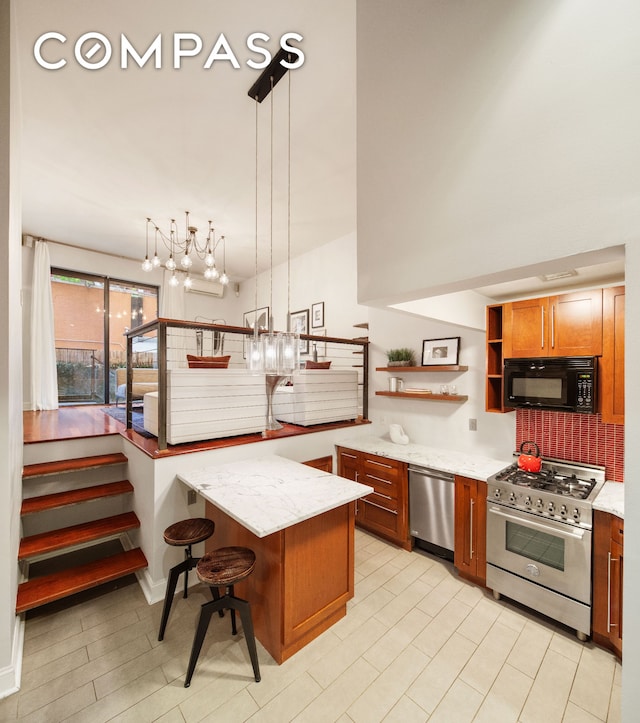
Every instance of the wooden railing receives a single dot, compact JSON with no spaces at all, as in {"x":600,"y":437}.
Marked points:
{"x":176,"y":338}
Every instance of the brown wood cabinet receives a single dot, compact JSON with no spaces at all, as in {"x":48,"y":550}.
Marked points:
{"x":385,"y":511}
{"x":608,"y":565}
{"x":323,"y":463}
{"x":470,"y":543}
{"x":564,"y":325}
{"x":612,"y":361}
{"x":494,"y":391}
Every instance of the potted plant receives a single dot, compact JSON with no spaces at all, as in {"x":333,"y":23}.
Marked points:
{"x":400,"y":358}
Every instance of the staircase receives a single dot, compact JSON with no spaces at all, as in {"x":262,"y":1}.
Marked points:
{"x":53,"y":545}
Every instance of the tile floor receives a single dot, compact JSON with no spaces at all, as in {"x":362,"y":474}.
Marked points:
{"x":417,"y":644}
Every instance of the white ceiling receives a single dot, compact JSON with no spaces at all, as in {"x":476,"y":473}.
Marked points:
{"x":104,"y":149}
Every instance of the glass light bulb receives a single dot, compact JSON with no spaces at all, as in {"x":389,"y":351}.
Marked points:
{"x":146,"y":264}
{"x":171,"y":264}
{"x":186,"y":262}
{"x":209,"y":260}
{"x":188,"y":283}
{"x":214,"y":273}
{"x":173,"y":281}
{"x":224,"y":279}
{"x":155,"y":261}
{"x":207,"y":274}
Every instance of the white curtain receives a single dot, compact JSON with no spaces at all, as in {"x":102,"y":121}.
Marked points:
{"x":44,"y":379}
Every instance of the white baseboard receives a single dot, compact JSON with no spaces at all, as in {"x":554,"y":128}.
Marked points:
{"x":11,"y":675}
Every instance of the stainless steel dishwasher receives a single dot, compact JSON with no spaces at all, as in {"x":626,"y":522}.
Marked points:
{"x":431,"y":507}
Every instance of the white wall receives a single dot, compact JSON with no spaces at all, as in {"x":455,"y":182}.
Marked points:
{"x":431,"y":422}
{"x":496,"y":135}
{"x":10,"y":363}
{"x":492,"y":135}
{"x":74,"y":259}
{"x":327,"y":274}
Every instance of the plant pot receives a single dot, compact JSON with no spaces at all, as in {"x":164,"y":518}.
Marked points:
{"x":399,"y":363}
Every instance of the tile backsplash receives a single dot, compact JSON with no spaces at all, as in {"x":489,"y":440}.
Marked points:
{"x":576,"y":437}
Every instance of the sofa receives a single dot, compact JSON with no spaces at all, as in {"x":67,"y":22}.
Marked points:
{"x":144,"y":380}
{"x":209,"y":404}
{"x":318,"y":396}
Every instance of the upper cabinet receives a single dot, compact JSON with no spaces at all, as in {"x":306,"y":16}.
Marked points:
{"x":612,"y":361}
{"x":563,"y":325}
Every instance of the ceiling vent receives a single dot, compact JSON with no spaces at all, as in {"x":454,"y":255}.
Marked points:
{"x":207,"y":288}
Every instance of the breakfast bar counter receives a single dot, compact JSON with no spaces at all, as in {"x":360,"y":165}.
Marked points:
{"x":300,"y":523}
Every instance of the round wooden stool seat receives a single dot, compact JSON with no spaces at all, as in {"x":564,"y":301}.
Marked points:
{"x":226,"y":566}
{"x":189,"y":532}
{"x":183,"y":534}
{"x":223,"y":568}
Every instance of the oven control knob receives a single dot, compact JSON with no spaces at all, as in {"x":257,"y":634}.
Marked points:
{"x":512,"y":497}
{"x":539,"y":504}
{"x":551,"y":507}
{"x":497,"y":493}
{"x":527,"y":501}
{"x":563,"y":511}
{"x":576,"y":514}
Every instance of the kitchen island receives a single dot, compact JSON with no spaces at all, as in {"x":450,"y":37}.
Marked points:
{"x":300,"y":523}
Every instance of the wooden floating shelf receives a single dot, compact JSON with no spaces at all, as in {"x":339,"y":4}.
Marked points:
{"x":434,"y":368}
{"x":425,"y":395}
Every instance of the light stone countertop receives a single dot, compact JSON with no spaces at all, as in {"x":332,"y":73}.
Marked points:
{"x":268,"y":494}
{"x":611,"y":499}
{"x":446,"y":460}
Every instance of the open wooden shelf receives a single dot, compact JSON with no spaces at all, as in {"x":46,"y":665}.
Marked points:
{"x":425,"y":395}
{"x":433,"y":368}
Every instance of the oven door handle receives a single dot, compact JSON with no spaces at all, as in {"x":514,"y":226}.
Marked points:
{"x":575,"y":534}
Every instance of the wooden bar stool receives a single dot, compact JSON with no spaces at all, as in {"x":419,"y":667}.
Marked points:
{"x":183,"y":534}
{"x":224,"y":568}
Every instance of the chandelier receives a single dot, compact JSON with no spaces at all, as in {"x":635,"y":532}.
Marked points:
{"x":186,"y":249}
{"x":274,"y":354}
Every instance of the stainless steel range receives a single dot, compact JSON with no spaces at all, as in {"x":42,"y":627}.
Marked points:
{"x":539,"y":533}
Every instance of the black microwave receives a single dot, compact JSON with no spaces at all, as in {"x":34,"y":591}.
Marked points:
{"x":563,"y":384}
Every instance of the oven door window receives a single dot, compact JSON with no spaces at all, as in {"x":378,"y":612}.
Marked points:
{"x":535,"y":545}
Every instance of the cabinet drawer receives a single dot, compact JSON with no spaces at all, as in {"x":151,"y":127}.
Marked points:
{"x":383,"y":500}
{"x":378,"y":515}
{"x":381,"y":485}
{"x":385,"y":469}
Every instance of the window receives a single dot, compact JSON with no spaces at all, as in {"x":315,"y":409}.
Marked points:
{"x":91,"y":315}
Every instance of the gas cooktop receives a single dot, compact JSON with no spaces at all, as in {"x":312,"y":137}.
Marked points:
{"x":548,"y":479}
{"x":562,"y":490}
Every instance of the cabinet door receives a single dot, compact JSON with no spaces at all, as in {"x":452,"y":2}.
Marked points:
{"x":348,"y":464}
{"x":470,"y":553}
{"x":612,"y":361}
{"x":600,"y":592}
{"x":608,"y":567}
{"x":615,"y":596}
{"x":575,"y":324}
{"x":525,"y":328}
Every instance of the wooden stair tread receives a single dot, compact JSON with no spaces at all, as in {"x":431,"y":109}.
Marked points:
{"x":76,"y":534}
{"x":46,"y":589}
{"x":71,"y":497}
{"x":42,"y":469}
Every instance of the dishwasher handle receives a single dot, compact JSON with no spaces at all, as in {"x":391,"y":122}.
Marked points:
{"x":432,"y":473}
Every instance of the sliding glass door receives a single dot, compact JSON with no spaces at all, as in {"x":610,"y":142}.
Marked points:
{"x":91,"y":315}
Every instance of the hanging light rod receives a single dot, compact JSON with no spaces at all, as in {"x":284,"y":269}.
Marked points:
{"x":270,"y":76}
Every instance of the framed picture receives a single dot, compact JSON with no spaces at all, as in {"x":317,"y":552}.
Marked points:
{"x":438,"y":352}
{"x":249,"y":318}
{"x":317,"y":315}
{"x":300,"y":325}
